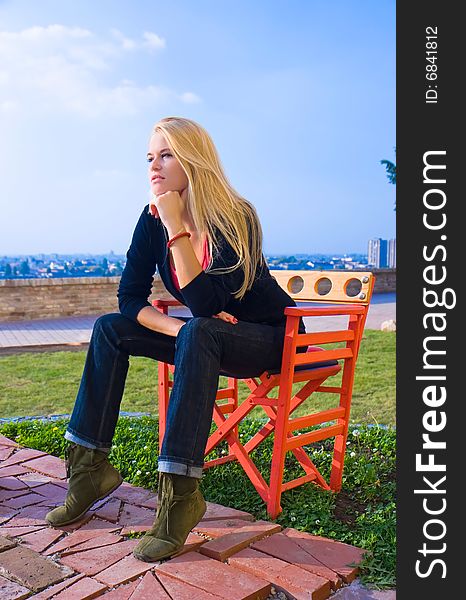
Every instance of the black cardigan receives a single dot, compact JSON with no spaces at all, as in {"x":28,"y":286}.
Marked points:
{"x":207,"y":294}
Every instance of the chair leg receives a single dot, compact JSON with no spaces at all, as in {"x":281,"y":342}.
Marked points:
{"x":278,"y":458}
{"x":233,"y":384}
{"x":338,"y":461}
{"x":164,"y":394}
{"x":276,"y":477}
{"x":339,"y":448}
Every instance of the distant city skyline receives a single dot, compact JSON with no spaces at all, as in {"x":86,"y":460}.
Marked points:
{"x":300,"y":104}
{"x":103,"y":265}
{"x":382,"y":253}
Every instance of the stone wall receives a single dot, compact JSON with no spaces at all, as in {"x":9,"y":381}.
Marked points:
{"x":385,"y":281}
{"x":22,"y":299}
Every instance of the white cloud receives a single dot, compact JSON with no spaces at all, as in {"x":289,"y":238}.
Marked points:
{"x":152,"y":40}
{"x":59,"y":69}
{"x":190,"y":98}
{"x":126,"y":43}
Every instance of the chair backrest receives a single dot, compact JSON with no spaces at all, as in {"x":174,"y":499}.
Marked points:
{"x":347,"y":287}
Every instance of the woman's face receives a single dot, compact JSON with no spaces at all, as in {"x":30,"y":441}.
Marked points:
{"x":165,"y":172}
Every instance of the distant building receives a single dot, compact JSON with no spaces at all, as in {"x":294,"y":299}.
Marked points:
{"x":381,"y":253}
{"x":392,"y":254}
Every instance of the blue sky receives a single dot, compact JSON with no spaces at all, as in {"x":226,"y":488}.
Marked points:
{"x":299,"y":98}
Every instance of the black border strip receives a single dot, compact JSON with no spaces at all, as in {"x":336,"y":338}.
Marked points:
{"x":430,"y":396}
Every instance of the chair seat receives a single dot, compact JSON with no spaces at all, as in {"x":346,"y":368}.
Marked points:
{"x":327,"y":363}
{"x":308,"y":367}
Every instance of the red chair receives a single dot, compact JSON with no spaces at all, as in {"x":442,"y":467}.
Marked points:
{"x":333,"y":293}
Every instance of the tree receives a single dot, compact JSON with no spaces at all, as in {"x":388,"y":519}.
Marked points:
{"x":390,"y":169}
{"x":24,"y":268}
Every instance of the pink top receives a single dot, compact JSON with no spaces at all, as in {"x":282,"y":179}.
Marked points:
{"x":205,"y":262}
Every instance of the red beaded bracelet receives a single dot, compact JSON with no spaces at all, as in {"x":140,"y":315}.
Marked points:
{"x":178,"y":235}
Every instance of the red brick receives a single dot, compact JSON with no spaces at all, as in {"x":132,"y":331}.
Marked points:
{"x":303,"y":584}
{"x":151,"y":588}
{"x":11,"y":590}
{"x":150,"y":502}
{"x":48,"y":465}
{"x":90,"y":530}
{"x":335,"y":555}
{"x":216,"y":512}
{"x":180,"y":590}
{"x":51,"y":591}
{"x":193,"y":542}
{"x":135,"y":515}
{"x":6,"y":514}
{"x":104,"y":539}
{"x":215,"y":529}
{"x":5,"y":452}
{"x":4,"y":441}
{"x":31,"y":569}
{"x":5,"y":543}
{"x":123,"y":592}
{"x":84,"y":589}
{"x":49,"y":504}
{"x":31,"y":515}
{"x":93,"y":561}
{"x":74,"y":539}
{"x":99,"y":525}
{"x":13,"y":532}
{"x":211,"y":575}
{"x":51,"y":492}
{"x":299,"y":583}
{"x":33,"y":479}
{"x":40,"y":540}
{"x":11,"y":471}
{"x":109,"y":511}
{"x":12,"y":483}
{"x":223,"y":547}
{"x":284,"y":548}
{"x":5,"y":495}
{"x":24,"y":500}
{"x":125,"y":570}
{"x":60,"y":482}
{"x":133,"y":494}
{"x":22,"y":455}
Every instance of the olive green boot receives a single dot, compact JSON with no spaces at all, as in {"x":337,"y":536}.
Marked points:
{"x":91,"y":478}
{"x":181,"y":507}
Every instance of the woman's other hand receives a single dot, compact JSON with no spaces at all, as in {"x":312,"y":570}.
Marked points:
{"x":226,"y":317}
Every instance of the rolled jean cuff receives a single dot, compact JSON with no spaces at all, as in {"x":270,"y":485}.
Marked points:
{"x":167,"y":466}
{"x":71,"y":437}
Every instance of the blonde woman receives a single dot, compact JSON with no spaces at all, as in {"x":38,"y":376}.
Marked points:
{"x":206,"y":242}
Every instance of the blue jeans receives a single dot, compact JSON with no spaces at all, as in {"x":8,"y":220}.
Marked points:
{"x":204,"y":349}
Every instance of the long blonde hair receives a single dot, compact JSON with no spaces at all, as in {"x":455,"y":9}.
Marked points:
{"x":211,"y":200}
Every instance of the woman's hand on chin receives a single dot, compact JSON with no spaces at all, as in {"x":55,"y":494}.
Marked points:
{"x":169,"y":207}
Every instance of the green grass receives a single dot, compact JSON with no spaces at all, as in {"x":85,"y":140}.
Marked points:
{"x":362,"y":514}
{"x":47,"y":383}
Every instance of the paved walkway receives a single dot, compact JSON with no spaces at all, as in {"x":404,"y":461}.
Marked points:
{"x":77,"y":330}
{"x":228,"y":555}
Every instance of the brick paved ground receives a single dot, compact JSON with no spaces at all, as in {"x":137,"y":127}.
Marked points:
{"x":77,"y":330}
{"x":228,"y":555}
